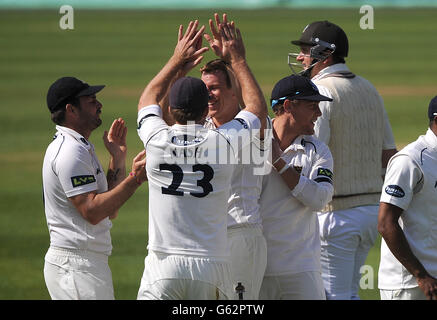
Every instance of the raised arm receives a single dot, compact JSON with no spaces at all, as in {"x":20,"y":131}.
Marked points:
{"x":187,"y":54}
{"x":233,"y":52}
{"x":115,"y":143}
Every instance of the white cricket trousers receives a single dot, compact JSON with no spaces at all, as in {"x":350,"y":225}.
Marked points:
{"x":346,"y":238}
{"x":77,"y":275}
{"x":248,"y":260}
{"x":297,"y":286}
{"x":183,"y":277}
{"x":403,"y":294}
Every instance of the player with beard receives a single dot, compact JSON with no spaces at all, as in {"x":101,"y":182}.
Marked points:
{"x":79,"y":200}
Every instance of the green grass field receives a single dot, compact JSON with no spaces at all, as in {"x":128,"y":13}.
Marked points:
{"x":124,"y":49}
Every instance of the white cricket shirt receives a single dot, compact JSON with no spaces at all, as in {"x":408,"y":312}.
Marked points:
{"x":189,"y":170}
{"x":71,"y":168}
{"x":246,"y":182}
{"x":290,"y":223}
{"x":410,"y":184}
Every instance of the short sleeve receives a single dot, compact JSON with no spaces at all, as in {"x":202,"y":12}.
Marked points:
{"x":76,"y":172}
{"x":149,"y":121}
{"x":402,"y":177}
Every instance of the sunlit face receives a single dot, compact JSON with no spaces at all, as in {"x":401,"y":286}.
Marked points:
{"x":304,"y":56}
{"x":89,"y":111}
{"x":305,"y":59}
{"x":223,"y":102}
{"x":305,"y":114}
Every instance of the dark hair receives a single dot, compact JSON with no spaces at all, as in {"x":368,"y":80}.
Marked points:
{"x":182,"y":116}
{"x":58,"y":116}
{"x":217,"y":65}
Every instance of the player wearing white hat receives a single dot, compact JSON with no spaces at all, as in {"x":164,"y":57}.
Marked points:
{"x":189,"y":172}
{"x":407,"y":220}
{"x":78,"y":199}
{"x":300,"y":185}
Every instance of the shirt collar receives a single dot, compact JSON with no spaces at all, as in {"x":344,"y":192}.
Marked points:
{"x":431,"y":139}
{"x":209,"y":123}
{"x":84,"y":142}
{"x":189,"y":128}
{"x":338,"y":67}
{"x":296,"y":145}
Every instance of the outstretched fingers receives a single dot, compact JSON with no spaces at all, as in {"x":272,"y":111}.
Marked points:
{"x":217,"y":19}
{"x":191,"y":30}
{"x":214,"y":28}
{"x":198,"y":36}
{"x":180,"y":33}
{"x":117,"y":129}
{"x":227,"y":31}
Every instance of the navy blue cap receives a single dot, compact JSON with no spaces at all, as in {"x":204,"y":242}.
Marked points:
{"x":189,"y":93}
{"x":432,"y":109}
{"x":296,"y":87}
{"x":66,"y":88}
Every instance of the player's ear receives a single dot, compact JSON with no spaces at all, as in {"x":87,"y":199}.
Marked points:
{"x":288,"y":104}
{"x":69,"y":108}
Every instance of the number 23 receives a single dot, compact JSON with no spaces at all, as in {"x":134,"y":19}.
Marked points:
{"x":178,"y":175}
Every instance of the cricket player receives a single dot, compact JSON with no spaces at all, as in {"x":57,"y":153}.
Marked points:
{"x":407,"y":220}
{"x":356,"y":128}
{"x":189,"y":172}
{"x":300,"y":185}
{"x":247,"y":244}
{"x":79,"y":200}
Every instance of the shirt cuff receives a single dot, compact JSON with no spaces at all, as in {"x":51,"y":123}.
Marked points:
{"x":248,"y":116}
{"x":151,"y":109}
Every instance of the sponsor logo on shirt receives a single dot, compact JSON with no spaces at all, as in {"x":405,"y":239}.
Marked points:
{"x":395,"y":191}
{"x":78,"y":181}
{"x":324,"y":175}
{"x":324,"y":172}
{"x":243,"y":123}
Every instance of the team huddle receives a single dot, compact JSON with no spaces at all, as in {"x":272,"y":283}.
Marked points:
{"x":243,"y":206}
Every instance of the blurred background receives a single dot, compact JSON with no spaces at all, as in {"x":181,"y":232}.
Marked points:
{"x":123,"y":44}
